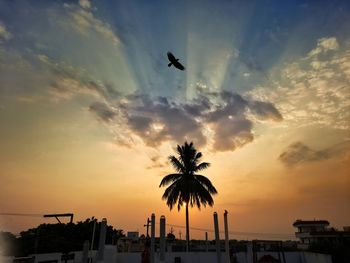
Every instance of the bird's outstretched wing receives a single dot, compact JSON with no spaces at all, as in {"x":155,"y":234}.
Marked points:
{"x":178,"y":65}
{"x":171,"y":57}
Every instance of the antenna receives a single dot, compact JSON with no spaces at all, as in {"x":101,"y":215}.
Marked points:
{"x":147,"y":225}
{"x":61,"y":215}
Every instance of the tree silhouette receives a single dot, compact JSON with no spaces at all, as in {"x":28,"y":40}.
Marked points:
{"x":50,"y":238}
{"x":185,"y":186}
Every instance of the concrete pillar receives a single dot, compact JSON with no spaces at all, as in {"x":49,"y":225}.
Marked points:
{"x":85,"y":256}
{"x":153,"y":233}
{"x":250,"y":252}
{"x":206,"y":242}
{"x":227,"y":247}
{"x":162,"y":239}
{"x":217,"y":238}
{"x":101,"y":243}
{"x":93,"y":257}
{"x":93,"y":235}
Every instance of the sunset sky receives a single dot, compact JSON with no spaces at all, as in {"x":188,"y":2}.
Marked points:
{"x":90,"y":111}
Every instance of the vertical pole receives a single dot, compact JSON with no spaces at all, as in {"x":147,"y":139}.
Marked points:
{"x":217,"y":238}
{"x":153,"y":233}
{"x":283,"y":256}
{"x":255,"y":254}
{"x":147,"y":227}
{"x":148,"y":223}
{"x":162,"y":239}
{"x":206,"y":241}
{"x":187,"y":230}
{"x":227,"y":247}
{"x":93,"y":235}
{"x":250,"y":252}
{"x":101,"y":243}
{"x":85,"y":251}
{"x":92,"y":240}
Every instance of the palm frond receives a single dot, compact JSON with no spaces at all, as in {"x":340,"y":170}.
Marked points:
{"x":198,"y":155}
{"x":171,"y":194}
{"x":169,"y":179}
{"x":176,"y":163}
{"x":179,"y":150}
{"x":206,"y":183}
{"x":202,"y":166}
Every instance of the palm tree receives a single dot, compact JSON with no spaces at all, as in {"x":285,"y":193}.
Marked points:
{"x":186,"y":187}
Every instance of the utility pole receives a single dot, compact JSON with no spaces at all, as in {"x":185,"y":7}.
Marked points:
{"x":147,"y":225}
{"x":162,"y":239}
{"x":93,"y":236}
{"x":227,"y":245}
{"x":217,"y":238}
{"x":153,"y":234}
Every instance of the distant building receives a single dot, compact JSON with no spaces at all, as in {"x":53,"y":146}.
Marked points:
{"x":134,"y":235}
{"x":314,"y":231}
{"x":346,"y":228}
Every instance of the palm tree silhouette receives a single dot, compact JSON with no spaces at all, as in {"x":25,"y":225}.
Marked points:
{"x":186,"y":187}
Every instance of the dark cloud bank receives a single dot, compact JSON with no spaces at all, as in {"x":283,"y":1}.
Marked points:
{"x":298,"y":153}
{"x":224,"y":116}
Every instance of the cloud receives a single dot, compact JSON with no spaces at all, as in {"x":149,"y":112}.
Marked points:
{"x":155,"y":120}
{"x":67,"y":88}
{"x":198,"y":107}
{"x":226,"y":122}
{"x":265,"y":111}
{"x":231,"y":134}
{"x":19,"y":77}
{"x":299,"y":153}
{"x":324,"y":45}
{"x":68,"y":81}
{"x":85,"y":22}
{"x":4,"y":33}
{"x":85,"y":4}
{"x":230,"y":122}
{"x":157,"y":163}
{"x":103,"y":111}
{"x":313,"y":90}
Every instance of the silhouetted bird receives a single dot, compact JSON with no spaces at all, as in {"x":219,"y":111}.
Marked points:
{"x":174,"y":61}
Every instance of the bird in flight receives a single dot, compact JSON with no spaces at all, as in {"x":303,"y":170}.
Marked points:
{"x":175,"y":61}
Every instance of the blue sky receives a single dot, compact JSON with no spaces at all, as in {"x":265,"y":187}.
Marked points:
{"x":243,"y":37}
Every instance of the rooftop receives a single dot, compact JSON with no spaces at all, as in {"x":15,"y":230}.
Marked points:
{"x":310,"y":222}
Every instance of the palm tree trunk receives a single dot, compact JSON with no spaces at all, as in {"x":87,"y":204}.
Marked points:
{"x":187,"y":231}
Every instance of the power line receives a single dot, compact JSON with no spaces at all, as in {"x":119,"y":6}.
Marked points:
{"x":236,"y":232}
{"x":21,"y":214}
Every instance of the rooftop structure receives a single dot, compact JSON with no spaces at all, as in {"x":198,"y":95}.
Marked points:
{"x":314,"y":231}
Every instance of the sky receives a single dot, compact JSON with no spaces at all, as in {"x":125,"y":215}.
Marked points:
{"x":90,"y":111}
